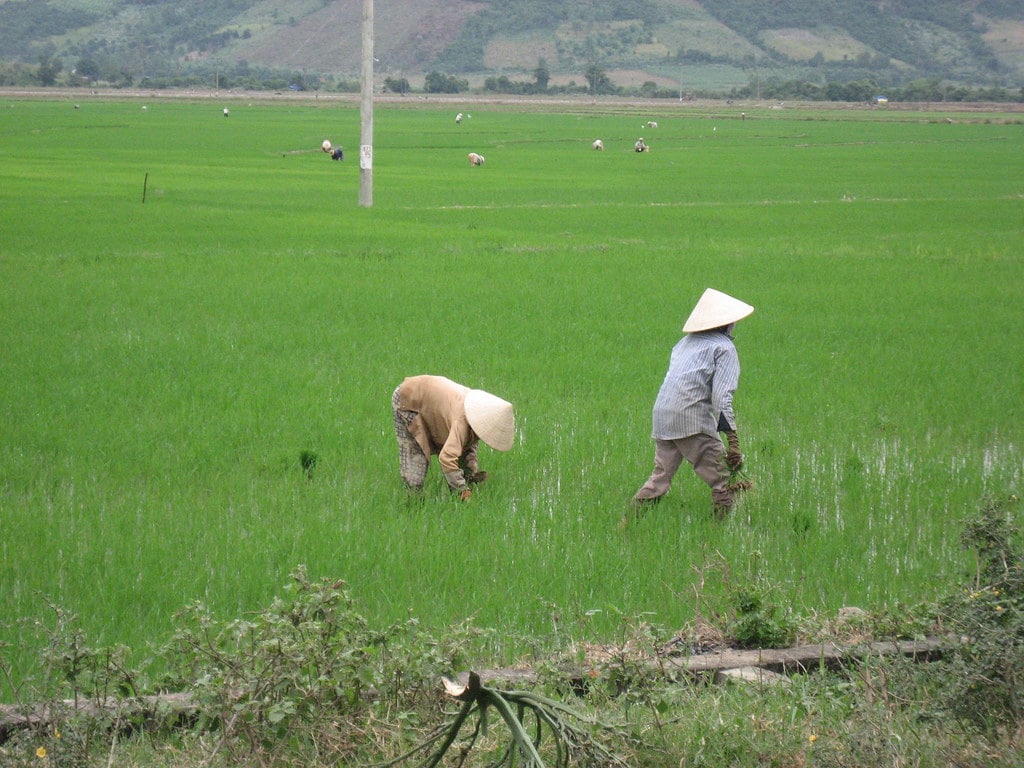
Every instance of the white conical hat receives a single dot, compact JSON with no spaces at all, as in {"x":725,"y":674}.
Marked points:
{"x":491,"y":418}
{"x":714,"y":310}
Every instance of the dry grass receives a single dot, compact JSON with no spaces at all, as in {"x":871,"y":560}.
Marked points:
{"x":804,"y":44}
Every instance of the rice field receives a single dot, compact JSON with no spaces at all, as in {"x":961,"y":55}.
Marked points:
{"x":189,"y":302}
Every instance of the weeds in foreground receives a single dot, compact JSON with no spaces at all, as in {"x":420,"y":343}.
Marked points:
{"x":301,"y":675}
{"x":986,"y":667}
{"x":308,"y":682}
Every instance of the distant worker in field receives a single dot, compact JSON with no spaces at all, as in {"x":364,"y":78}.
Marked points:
{"x":336,"y":153}
{"x":641,"y":145}
{"x":694,"y":404}
{"x":435,"y":415}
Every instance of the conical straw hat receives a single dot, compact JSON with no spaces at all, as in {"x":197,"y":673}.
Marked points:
{"x":714,"y":310}
{"x":491,"y":418}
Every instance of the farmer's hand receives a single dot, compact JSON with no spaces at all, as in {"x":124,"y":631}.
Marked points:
{"x":733,"y":457}
{"x":476,"y":477}
{"x":457,"y":482}
{"x":465,"y":494}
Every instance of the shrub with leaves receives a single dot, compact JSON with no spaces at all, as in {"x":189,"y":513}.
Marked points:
{"x":75,"y":699}
{"x":300,"y":675}
{"x":987,"y":680}
{"x":759,"y":619}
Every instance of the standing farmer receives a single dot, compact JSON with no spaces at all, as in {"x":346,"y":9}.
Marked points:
{"x":695,"y":404}
{"x":434,"y":415}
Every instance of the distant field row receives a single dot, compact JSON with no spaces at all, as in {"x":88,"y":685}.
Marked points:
{"x":1000,"y":112}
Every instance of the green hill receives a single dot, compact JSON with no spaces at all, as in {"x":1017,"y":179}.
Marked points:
{"x":668,"y":42}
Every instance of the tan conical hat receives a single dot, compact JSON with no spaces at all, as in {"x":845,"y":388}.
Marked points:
{"x":491,"y":418}
{"x":714,"y":310}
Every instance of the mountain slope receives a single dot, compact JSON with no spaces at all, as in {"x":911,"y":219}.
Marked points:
{"x":977,"y":42}
{"x":408,"y":36}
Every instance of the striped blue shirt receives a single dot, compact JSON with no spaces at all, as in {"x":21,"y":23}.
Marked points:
{"x":703,"y":374}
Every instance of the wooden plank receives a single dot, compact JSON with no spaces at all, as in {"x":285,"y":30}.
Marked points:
{"x":803,"y":658}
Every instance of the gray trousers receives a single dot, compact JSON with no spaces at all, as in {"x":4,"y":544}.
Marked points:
{"x":705,"y":453}
{"x":411,"y":461}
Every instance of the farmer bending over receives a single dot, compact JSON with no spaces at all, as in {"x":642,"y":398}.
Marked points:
{"x":695,"y":404}
{"x":434,"y":415}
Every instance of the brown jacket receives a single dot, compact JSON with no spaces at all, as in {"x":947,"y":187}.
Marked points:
{"x":440,"y":426}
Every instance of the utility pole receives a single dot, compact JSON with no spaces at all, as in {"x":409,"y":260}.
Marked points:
{"x":366,"y":111}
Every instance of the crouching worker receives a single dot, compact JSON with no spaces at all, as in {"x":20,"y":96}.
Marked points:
{"x":435,"y":415}
{"x":695,"y":404}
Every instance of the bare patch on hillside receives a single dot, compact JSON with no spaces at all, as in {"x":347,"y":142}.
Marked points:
{"x":520,"y":52}
{"x":804,"y":44}
{"x":655,"y":50}
{"x":1007,"y":41}
{"x":636,"y":77}
{"x":692,"y":28}
{"x":406,"y":37}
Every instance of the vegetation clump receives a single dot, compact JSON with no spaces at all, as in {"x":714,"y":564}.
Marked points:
{"x":300,"y":676}
{"x":986,"y":667}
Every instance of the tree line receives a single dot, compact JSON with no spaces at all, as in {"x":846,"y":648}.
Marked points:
{"x":595,"y":81}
